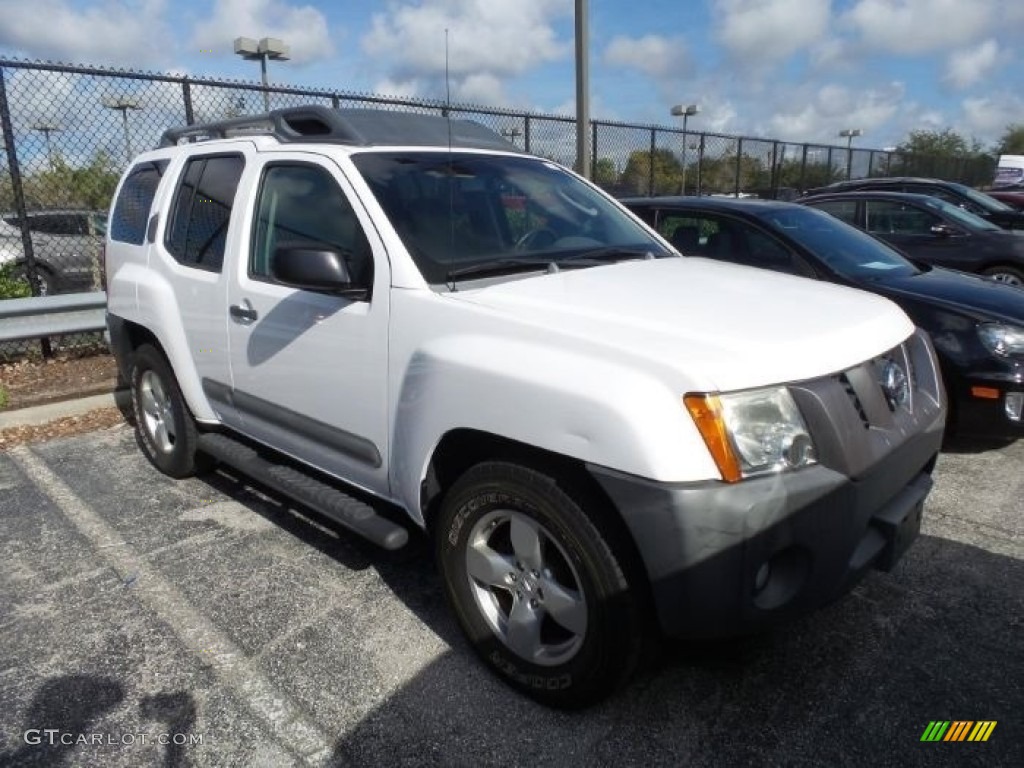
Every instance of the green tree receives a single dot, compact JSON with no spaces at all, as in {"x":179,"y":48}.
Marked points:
{"x":668,"y":172}
{"x":1012,"y":142}
{"x":64,"y":186}
{"x":944,"y":143}
{"x":605,"y":174}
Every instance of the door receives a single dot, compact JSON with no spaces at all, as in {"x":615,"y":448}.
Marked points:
{"x":309,"y":369}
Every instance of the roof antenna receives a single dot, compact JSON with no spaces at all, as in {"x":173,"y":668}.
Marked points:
{"x":451,"y":169}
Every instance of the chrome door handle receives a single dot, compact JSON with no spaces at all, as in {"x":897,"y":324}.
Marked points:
{"x":244,"y":312}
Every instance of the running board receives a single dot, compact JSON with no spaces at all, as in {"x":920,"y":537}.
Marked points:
{"x":355,"y":515}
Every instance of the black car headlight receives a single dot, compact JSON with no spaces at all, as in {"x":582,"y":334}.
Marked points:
{"x":1002,"y":340}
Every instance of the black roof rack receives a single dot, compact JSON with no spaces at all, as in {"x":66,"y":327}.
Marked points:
{"x":358,"y":127}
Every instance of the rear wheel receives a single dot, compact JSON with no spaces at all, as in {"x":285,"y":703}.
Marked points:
{"x":536,"y":586}
{"x":1008,"y":275}
{"x":163,"y":423}
{"x":45,"y":283}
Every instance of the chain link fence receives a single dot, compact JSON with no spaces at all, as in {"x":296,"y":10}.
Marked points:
{"x":68,"y":132}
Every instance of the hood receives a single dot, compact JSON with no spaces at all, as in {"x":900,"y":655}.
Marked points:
{"x":720,"y":325}
{"x":975,"y":296}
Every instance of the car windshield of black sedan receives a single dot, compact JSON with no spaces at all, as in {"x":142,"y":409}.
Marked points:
{"x":985,"y":201}
{"x":464,"y":215}
{"x":845,"y":249}
{"x":970,"y":221}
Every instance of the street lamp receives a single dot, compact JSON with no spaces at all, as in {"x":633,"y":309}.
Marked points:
{"x":512,"y":133}
{"x":46,"y":129}
{"x":122,"y":105}
{"x":265,"y":48}
{"x":848,"y":134}
{"x":684,"y":111}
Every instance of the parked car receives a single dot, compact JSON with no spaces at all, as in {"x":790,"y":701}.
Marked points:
{"x":977,"y":325}
{"x":400,"y":320}
{"x":931,"y":230}
{"x":969,"y":199}
{"x":1011,"y":196}
{"x":67,"y":246}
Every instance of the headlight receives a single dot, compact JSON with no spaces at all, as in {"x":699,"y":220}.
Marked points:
{"x":1002,"y":340}
{"x":752,"y":433}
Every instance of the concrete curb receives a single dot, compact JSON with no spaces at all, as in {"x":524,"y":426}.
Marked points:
{"x":43,"y":414}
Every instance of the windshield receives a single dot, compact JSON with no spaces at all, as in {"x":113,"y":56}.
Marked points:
{"x":971,"y":221}
{"x":980,"y":198}
{"x":457,"y":211}
{"x":846,"y":249}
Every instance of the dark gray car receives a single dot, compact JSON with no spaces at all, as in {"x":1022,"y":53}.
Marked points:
{"x":67,"y":246}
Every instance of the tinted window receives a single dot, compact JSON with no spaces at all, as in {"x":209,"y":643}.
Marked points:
{"x":202,"y":208}
{"x":885,"y":217}
{"x":133,"y":204}
{"x":302,"y":205}
{"x":844,"y":210}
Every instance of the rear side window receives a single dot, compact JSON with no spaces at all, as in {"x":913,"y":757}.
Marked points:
{"x":131,"y":212}
{"x":198,"y":227}
{"x":845,"y":210}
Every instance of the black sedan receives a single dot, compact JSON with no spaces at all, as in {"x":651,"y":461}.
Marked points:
{"x":977,"y":325}
{"x":931,"y":230}
{"x":964,"y":197}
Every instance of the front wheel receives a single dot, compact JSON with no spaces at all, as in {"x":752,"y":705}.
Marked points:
{"x":536,"y":587}
{"x":163,"y":423}
{"x":1007,"y":275}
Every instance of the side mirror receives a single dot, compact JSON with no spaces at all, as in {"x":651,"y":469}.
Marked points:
{"x":944,"y":230}
{"x":320,"y":269}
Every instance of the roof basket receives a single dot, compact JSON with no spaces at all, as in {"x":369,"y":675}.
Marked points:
{"x":357,"y":127}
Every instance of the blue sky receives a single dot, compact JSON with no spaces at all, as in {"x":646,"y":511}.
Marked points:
{"x":797,"y":70}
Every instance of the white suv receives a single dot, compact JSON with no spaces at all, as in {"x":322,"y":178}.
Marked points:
{"x":367,"y":310}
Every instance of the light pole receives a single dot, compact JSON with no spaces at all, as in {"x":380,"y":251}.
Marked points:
{"x":122,"y":105}
{"x":46,"y":129}
{"x":582,"y":29}
{"x":265,"y":48}
{"x":512,"y":133}
{"x":848,"y":134}
{"x":684,"y":111}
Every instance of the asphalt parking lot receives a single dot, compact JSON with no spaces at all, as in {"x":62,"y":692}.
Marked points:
{"x":201,"y":623}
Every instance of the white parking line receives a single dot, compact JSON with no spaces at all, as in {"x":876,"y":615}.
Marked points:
{"x":286,"y":720}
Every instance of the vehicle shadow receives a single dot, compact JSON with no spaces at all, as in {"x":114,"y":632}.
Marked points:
{"x":854,"y":684}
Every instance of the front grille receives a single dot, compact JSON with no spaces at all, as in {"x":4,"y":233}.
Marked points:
{"x":858,"y":415}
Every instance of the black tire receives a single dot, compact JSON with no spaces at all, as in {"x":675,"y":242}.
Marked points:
{"x":45,"y":282}
{"x":1009,"y":275}
{"x":568,"y":668}
{"x":164,"y":425}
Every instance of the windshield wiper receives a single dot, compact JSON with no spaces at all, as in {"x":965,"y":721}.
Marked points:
{"x":608,"y":254}
{"x":498,"y":267}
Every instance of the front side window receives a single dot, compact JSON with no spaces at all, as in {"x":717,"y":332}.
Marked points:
{"x":885,"y":217}
{"x":131,"y":212}
{"x":462,"y":213}
{"x":302,"y":205}
{"x":198,"y":227}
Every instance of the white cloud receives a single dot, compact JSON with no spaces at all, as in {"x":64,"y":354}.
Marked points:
{"x":910,"y":27}
{"x":654,"y":55}
{"x":770,"y":30}
{"x":302,"y":27}
{"x":484,"y":38}
{"x":966,"y":67}
{"x":988,"y":116}
{"x":820,"y":115}
{"x":123,"y":32}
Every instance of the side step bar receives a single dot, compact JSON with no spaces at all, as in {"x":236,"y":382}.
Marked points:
{"x":331,"y":502}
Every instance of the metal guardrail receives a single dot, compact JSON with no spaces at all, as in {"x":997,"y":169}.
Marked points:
{"x":42,"y":316}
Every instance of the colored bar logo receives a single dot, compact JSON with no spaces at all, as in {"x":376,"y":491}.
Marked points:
{"x":958,"y":730}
